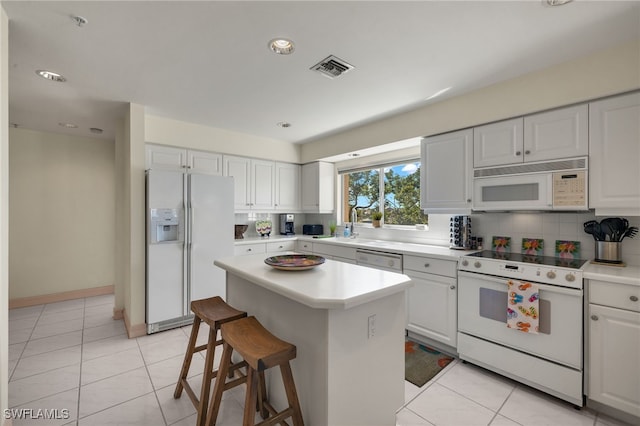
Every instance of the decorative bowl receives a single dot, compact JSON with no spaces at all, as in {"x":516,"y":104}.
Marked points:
{"x":294,"y":262}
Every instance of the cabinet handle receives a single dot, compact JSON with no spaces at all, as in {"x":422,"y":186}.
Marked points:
{"x":633,"y":298}
{"x":468,"y":200}
{"x":527,"y":152}
{"x":280,"y":246}
{"x":453,"y":287}
{"x":594,"y":317}
{"x":518,"y":153}
{"x":426,"y":265}
{"x":248,"y":249}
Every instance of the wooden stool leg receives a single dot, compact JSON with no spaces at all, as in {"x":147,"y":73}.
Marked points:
{"x":223,"y":370}
{"x":292,"y":395}
{"x":207,"y":377}
{"x":262,"y":396}
{"x":187,"y":357}
{"x":251,"y":397}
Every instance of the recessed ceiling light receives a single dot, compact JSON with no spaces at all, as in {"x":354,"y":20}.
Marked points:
{"x":96,"y":130}
{"x":50,"y":75}
{"x":68,"y":125}
{"x":558,"y":2}
{"x":353,"y":154}
{"x":283,"y":124}
{"x":281,"y":46}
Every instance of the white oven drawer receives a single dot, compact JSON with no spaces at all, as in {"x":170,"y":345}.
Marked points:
{"x":482,"y":312}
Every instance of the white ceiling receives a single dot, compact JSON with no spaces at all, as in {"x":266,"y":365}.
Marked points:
{"x":207,"y":62}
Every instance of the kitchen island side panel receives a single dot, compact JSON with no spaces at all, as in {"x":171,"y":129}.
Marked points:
{"x":343,"y":377}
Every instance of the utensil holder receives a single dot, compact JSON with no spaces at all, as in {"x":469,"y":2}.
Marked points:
{"x":609,"y":251}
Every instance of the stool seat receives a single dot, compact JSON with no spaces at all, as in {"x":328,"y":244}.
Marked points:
{"x":214,"y":312}
{"x":260,"y":350}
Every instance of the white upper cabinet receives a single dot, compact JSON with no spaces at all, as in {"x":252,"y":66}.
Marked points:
{"x":165,"y":157}
{"x":239,"y":168}
{"x":262,"y":184}
{"x":161,"y":157}
{"x":253,"y":182}
{"x":287,"y":187}
{"x":318,"y":187}
{"x":561,"y":133}
{"x":446,"y":173}
{"x":204,"y":162}
{"x":551,"y":135}
{"x":614,"y":155}
{"x":498,"y":143}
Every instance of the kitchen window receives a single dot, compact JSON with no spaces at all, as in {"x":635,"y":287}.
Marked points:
{"x":393,"y":189}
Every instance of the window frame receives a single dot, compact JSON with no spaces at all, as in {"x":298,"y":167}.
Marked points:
{"x":380,"y":168}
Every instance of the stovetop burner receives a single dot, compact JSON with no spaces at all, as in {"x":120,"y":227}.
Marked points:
{"x":524,"y":258}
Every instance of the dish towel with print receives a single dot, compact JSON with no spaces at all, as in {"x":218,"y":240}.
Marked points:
{"x":522,"y":306}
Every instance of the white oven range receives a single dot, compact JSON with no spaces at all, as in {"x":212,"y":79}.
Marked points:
{"x":551,"y":360}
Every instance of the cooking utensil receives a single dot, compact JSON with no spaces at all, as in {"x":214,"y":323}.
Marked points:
{"x":593,"y":227}
{"x":630,"y":232}
{"x":607,"y":228}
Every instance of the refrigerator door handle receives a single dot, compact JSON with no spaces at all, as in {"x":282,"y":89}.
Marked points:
{"x":186,"y":290}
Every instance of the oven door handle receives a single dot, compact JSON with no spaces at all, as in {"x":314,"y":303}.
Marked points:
{"x":498,"y":280}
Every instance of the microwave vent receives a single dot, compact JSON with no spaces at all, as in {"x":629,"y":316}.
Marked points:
{"x":549,"y":166}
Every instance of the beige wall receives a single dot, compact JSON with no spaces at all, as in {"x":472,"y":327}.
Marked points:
{"x":132,"y":234}
{"x":604,"y":73}
{"x":4,"y":211}
{"x":178,"y":133}
{"x":62,"y":213}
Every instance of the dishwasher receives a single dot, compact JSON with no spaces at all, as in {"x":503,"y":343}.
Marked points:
{"x":379,"y":260}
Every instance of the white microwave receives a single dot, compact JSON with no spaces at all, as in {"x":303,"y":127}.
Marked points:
{"x":551,"y":185}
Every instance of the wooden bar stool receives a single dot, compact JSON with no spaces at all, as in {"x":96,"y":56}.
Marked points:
{"x":214,"y":312}
{"x":261,"y":350}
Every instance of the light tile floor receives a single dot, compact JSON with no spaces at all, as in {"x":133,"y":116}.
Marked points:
{"x":73,"y":356}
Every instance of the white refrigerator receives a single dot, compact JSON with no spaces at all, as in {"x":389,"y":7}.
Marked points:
{"x":190,"y":221}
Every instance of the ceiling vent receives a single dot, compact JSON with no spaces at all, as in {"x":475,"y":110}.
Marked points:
{"x":332,"y":67}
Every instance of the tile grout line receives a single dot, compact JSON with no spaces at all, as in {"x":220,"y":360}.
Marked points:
{"x":155,"y":391}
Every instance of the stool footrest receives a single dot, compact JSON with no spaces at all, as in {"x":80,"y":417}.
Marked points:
{"x":277,"y":417}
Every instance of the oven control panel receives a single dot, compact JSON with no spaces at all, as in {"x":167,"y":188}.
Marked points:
{"x":545,"y":274}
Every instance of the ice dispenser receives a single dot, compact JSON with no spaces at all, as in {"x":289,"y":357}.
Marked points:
{"x":165,"y":226}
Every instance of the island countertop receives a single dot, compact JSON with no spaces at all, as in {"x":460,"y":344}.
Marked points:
{"x":332,"y":285}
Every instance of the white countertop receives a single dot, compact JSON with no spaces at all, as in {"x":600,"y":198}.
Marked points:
{"x":332,"y":285}
{"x":615,"y":274}
{"x":380,"y":245}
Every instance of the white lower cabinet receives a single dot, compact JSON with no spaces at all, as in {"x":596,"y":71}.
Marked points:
{"x":432,"y":301}
{"x":264,"y":247}
{"x":280,"y":246}
{"x":304,"y":246}
{"x":254,"y":248}
{"x":614,"y":346}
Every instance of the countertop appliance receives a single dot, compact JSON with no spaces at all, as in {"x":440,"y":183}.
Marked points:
{"x":190,"y":222}
{"x":379,"y":260}
{"x":550,"y":360}
{"x":287,"y":224}
{"x":312,"y":229}
{"x":550,"y":185}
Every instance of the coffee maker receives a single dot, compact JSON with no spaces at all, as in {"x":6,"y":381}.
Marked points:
{"x":286,"y":224}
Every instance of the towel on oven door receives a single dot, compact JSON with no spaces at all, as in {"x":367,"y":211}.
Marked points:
{"x":522,"y":306}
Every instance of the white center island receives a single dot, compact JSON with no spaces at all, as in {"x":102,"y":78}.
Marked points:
{"x":348,"y":324}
